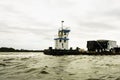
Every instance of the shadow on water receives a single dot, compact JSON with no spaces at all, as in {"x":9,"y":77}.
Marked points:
{"x":94,"y":79}
{"x":60,"y":68}
{"x":9,"y":59}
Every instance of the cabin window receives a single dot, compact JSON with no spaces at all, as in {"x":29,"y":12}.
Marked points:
{"x":64,"y":40}
{"x":60,"y":40}
{"x":62,"y":45}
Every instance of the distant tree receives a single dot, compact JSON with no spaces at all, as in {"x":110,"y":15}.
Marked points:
{"x":5,"y":49}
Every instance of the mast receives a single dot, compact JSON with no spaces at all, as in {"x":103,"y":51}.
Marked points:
{"x":62,"y":24}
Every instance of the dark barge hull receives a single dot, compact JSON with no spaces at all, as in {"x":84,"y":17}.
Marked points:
{"x":61,"y":52}
{"x":76,"y":52}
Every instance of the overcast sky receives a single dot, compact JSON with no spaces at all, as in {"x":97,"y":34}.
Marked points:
{"x":32,"y":24}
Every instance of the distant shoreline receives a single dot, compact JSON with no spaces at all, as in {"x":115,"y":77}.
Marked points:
{"x":6,"y":49}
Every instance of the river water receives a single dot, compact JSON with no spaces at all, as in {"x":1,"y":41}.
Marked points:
{"x":37,"y":66}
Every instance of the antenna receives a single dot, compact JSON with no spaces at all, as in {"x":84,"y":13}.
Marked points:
{"x":62,"y":24}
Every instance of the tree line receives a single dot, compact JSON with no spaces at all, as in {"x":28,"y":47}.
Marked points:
{"x":6,"y":49}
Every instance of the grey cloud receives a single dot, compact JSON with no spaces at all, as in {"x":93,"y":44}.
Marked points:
{"x":21,"y":15}
{"x":94,"y":23}
{"x":97,"y":26}
{"x":113,"y":12}
{"x":62,"y":3}
{"x":31,"y":24}
{"x":44,"y":33}
{"x":5,"y":28}
{"x":9,"y":8}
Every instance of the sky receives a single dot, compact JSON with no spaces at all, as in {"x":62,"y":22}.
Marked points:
{"x":33,"y":24}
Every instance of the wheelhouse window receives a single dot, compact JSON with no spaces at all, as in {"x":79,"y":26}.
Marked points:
{"x":64,"y":40}
{"x":60,"y":40}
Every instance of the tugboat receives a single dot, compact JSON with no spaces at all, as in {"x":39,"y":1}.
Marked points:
{"x":61,"y":44}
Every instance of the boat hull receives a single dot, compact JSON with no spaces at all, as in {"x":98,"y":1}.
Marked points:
{"x":61,"y":52}
{"x":75,"y":52}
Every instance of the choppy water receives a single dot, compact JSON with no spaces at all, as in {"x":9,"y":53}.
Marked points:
{"x":37,"y":66}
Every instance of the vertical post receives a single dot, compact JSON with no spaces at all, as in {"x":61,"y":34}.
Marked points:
{"x":62,"y":24}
